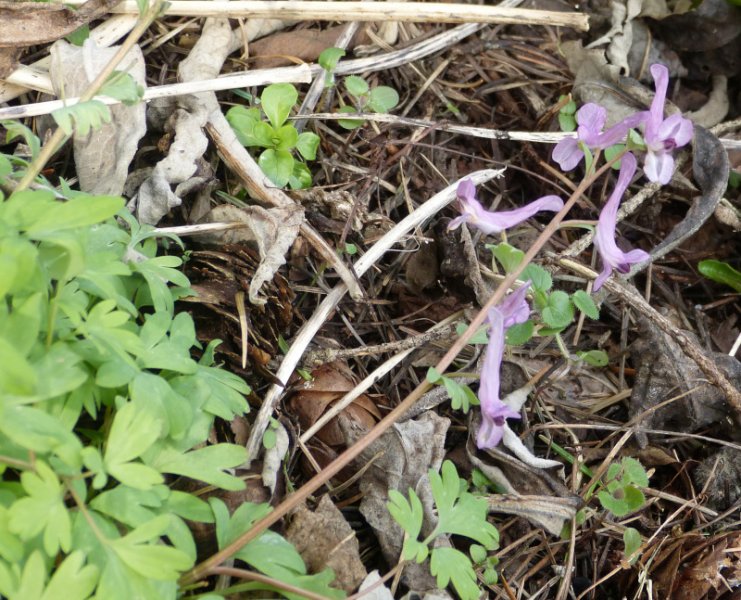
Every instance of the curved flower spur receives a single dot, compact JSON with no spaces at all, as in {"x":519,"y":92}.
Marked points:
{"x":490,"y":222}
{"x":604,"y":239}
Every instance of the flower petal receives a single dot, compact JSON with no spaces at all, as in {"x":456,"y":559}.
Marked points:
{"x":676,"y":129}
{"x":661,"y":80}
{"x":659,"y":167}
{"x":457,"y":222}
{"x":591,"y":119}
{"x":514,"y":308}
{"x":489,"y":382}
{"x":602,"y":277}
{"x":604,"y":240}
{"x":567,"y":153}
{"x":466,"y":190}
{"x":495,"y":222}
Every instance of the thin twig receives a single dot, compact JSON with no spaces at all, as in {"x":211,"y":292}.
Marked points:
{"x":416,"y":12}
{"x":298,"y":74}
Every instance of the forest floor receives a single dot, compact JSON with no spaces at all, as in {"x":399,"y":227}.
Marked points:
{"x":638,"y":405}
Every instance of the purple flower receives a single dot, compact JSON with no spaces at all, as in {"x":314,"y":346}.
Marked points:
{"x":663,"y":135}
{"x":591,"y":119}
{"x":510,"y":311}
{"x":494,"y":222}
{"x":604,"y":241}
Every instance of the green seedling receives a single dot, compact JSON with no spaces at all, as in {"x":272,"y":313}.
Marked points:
{"x":279,"y":138}
{"x":459,"y":513}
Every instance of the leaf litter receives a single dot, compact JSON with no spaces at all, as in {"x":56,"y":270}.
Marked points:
{"x":650,"y":390}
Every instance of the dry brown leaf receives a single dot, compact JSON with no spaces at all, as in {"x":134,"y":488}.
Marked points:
{"x":532,"y":493}
{"x":698,"y":568}
{"x":325,"y":539}
{"x":103,"y":156}
{"x":31,"y":23}
{"x":281,"y":49}
{"x":272,"y":230}
{"x":329,"y":383}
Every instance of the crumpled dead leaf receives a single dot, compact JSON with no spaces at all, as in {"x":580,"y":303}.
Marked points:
{"x":324,"y":539}
{"x":272,"y":230}
{"x":189,"y":115}
{"x":32,"y":23}
{"x":710,"y":168}
{"x":696,"y":567}
{"x":532,"y":493}
{"x":400,"y":460}
{"x":103,"y":156}
{"x":595,"y":80}
{"x":664,"y":372}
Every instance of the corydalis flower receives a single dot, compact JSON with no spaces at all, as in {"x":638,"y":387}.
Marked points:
{"x":663,"y":135}
{"x":604,"y":241}
{"x":510,"y":311}
{"x":591,"y":119}
{"x":494,"y":222}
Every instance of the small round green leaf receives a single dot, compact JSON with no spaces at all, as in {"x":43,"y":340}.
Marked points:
{"x":520,"y":333}
{"x":541,"y":279}
{"x":277,"y":165}
{"x":285,"y":137}
{"x":349,"y":123}
{"x":307,"y":145}
{"x":382,"y":99}
{"x":596,"y":358}
{"x":560,"y":311}
{"x":584,"y":303}
{"x":329,"y":58}
{"x":356,"y":86}
{"x":277,"y":100}
{"x":301,"y":177}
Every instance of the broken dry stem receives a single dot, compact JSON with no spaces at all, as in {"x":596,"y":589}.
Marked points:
{"x":415,"y":12}
{"x":205,"y":568}
{"x":258,"y":77}
{"x":57,"y":139}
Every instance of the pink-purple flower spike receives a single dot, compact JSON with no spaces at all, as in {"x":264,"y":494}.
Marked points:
{"x":473,"y":213}
{"x":604,"y":240}
{"x":663,"y":135}
{"x":494,"y":413}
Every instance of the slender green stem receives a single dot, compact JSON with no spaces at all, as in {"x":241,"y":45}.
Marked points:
{"x":16,"y":463}
{"x":83,"y":509}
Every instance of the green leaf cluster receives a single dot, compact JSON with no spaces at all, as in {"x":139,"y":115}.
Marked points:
{"x":379,"y":99}
{"x":621,"y":494}
{"x":459,"y":513}
{"x":461,"y":396}
{"x":101,"y":404}
{"x":278,"y":138}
